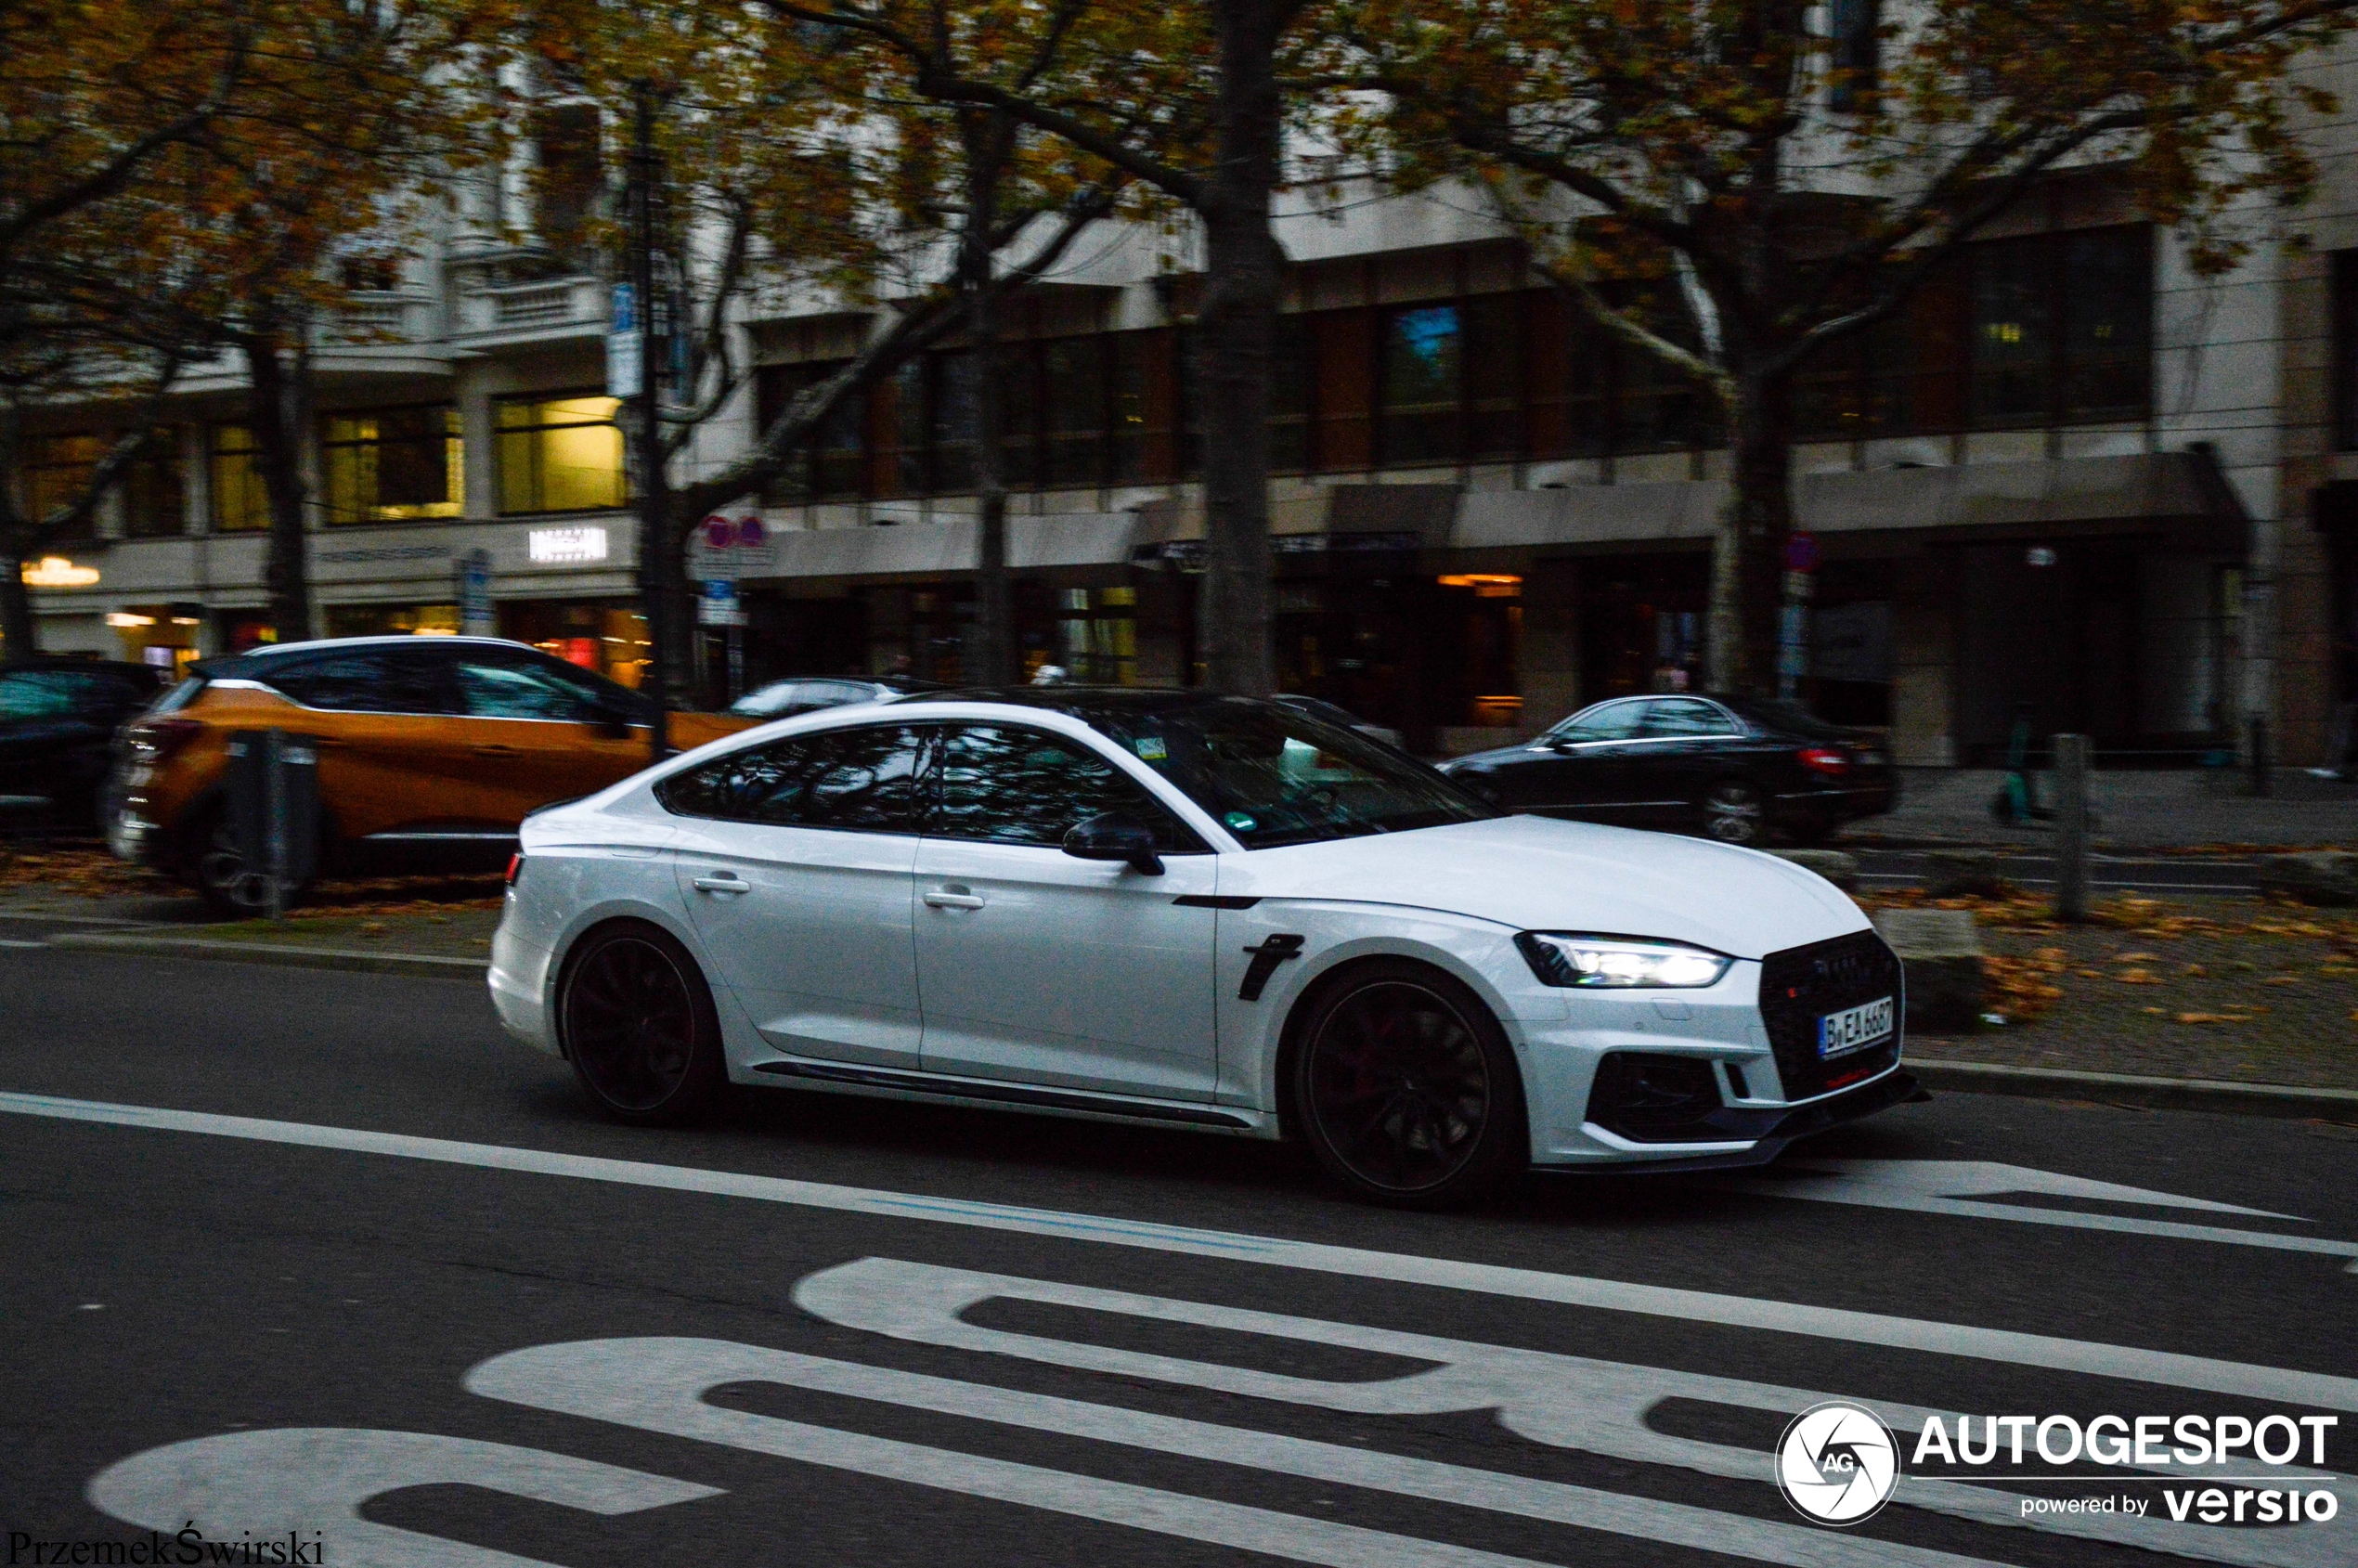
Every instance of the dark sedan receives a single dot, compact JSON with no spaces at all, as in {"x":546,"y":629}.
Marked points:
{"x":1733,"y":768}
{"x":58,"y":720}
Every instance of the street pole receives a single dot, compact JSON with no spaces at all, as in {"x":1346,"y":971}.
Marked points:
{"x":2071,"y":827}
{"x":658,"y":567}
{"x":274,"y":856}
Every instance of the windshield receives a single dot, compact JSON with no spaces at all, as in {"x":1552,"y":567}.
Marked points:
{"x":1276,"y":775}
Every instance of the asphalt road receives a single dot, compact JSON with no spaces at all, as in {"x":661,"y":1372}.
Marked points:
{"x":420,"y":1304}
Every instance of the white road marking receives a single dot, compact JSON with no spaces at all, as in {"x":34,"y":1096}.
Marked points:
{"x":12,"y":941}
{"x":2279,"y":1385}
{"x":302,"y":1478}
{"x":1968,"y":1187}
{"x":1565,"y":1401}
{"x":658,"y":1385}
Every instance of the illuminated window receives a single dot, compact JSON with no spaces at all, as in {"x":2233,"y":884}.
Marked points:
{"x":388,"y":465}
{"x":57,"y":474}
{"x":240,"y":502}
{"x":560,"y":454}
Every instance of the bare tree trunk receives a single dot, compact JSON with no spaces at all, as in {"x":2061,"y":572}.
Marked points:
{"x":277,"y":407}
{"x":1747,"y":553}
{"x":20,"y":634}
{"x":1237,"y":324}
{"x":986,"y":137}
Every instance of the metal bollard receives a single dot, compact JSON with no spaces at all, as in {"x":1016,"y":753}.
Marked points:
{"x":2071,"y":827}
{"x":2260,"y":754}
{"x":274,"y":822}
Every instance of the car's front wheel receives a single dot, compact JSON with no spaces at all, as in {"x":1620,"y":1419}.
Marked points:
{"x":216,"y":866}
{"x":1406,"y":1090}
{"x":638,"y":1022}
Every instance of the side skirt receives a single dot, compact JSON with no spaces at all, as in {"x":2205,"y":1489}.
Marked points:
{"x":854,"y":1078}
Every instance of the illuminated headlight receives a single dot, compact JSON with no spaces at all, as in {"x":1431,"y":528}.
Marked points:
{"x":1570,"y":958}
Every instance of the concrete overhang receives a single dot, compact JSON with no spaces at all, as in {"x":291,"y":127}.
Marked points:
{"x":2183,"y":492}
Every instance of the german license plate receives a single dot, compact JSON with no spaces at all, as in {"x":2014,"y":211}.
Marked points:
{"x":1854,"y":1029}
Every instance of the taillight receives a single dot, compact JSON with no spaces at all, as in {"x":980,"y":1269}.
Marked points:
{"x":1823,"y":760}
{"x":515,"y":867}
{"x":155,"y":739}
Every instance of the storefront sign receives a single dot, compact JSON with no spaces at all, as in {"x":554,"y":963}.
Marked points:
{"x":719,"y":605}
{"x":565,"y":547}
{"x":625,"y":347}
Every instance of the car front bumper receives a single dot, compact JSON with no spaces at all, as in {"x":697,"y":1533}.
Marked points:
{"x":1777,"y":1128}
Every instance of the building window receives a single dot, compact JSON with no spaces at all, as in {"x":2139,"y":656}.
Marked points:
{"x":954,"y":424}
{"x":570,"y":179}
{"x":1291,"y":395}
{"x":1855,"y":27}
{"x":56,"y":472}
{"x":155,"y":493}
{"x":897,"y":429}
{"x":1075,"y":369}
{"x":2062,"y":328}
{"x":826,"y":467}
{"x":1422,"y":384}
{"x":389,"y":465}
{"x":1147,"y":382}
{"x":240,"y":501}
{"x":559,"y":454}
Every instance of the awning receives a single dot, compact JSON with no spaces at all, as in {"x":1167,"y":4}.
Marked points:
{"x":2184,"y":488}
{"x":905,"y":549}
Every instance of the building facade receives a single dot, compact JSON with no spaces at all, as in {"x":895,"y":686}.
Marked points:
{"x":2073,"y":485}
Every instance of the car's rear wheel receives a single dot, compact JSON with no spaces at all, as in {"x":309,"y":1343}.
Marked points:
{"x":638,"y":1021}
{"x":1735,"y":812}
{"x":1405,"y":1088}
{"x":214,"y":865}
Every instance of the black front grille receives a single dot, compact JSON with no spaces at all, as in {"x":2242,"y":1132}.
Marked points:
{"x":1802,"y":984}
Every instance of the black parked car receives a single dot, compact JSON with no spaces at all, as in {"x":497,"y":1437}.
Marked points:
{"x":58,"y":720}
{"x":1734,"y":769}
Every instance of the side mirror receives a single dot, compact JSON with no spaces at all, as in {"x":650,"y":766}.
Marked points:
{"x":1115,"y":837}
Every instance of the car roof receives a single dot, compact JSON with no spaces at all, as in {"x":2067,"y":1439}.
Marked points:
{"x":262,"y":657}
{"x":1081,"y":702}
{"x":55,"y":661}
{"x":402,"y":639}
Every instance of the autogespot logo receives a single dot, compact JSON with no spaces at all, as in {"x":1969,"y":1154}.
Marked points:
{"x":1836,"y":1463}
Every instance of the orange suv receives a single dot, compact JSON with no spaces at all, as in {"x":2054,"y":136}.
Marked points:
{"x":431,"y":750}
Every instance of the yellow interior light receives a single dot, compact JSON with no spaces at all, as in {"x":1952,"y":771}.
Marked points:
{"x":125,"y":620}
{"x":56,"y":571}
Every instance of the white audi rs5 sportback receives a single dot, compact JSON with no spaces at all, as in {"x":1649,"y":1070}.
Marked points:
{"x":1193,"y":910}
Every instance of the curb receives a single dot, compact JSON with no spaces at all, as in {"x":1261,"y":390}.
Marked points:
{"x":347,"y":959}
{"x":2222,"y":1096}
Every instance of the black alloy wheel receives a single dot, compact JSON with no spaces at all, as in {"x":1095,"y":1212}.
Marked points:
{"x":217,"y":868}
{"x":1406,"y":1090}
{"x":638,"y":1021}
{"x":1735,"y":812}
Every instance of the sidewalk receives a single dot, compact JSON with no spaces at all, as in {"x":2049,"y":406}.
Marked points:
{"x":2229,"y":990}
{"x":2178,"y":808}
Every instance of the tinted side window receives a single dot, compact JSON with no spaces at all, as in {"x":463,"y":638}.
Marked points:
{"x":856,"y":780}
{"x":521,"y":689}
{"x":1008,"y":785}
{"x":35,"y":693}
{"x":370,"y":680}
{"x":1607,"y":721}
{"x":1684,"y":716}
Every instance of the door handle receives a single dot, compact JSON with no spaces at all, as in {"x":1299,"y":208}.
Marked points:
{"x":723,"y":882}
{"x":951,"y":898}
{"x":493,"y":749}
